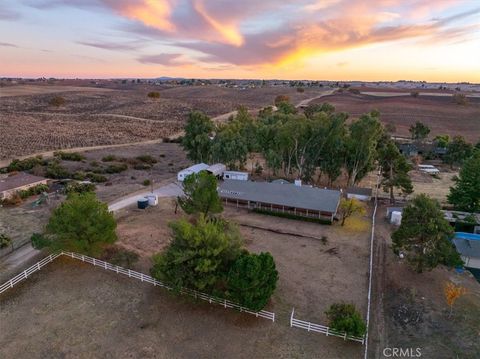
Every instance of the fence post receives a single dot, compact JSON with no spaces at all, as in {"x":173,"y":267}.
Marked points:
{"x":225,"y":303}
{"x":38,"y":265}
{"x":83,"y":258}
{"x":105,"y":265}
{"x":11,"y":284}
{"x":345,"y":336}
{"x":328,"y":328}
{"x":129,"y":273}
{"x":94,"y":263}
{"x":309,"y":325}
{"x":291,"y":317}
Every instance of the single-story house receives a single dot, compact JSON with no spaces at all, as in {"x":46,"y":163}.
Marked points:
{"x":235,"y":175}
{"x":19,"y":182}
{"x":468,"y":246}
{"x":362,"y":194}
{"x":190,"y":170}
{"x":304,"y":201}
{"x":217,"y":169}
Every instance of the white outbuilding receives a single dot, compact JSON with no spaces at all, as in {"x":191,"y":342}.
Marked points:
{"x":235,"y":175}
{"x":217,"y":169}
{"x":190,"y":170}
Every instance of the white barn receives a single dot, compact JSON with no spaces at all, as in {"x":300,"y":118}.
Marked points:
{"x":217,"y":169}
{"x":190,"y":170}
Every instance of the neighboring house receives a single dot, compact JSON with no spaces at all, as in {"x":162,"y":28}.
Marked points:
{"x":303,"y":201}
{"x":217,"y":169}
{"x":362,"y":194}
{"x":19,"y":182}
{"x":468,"y":246}
{"x":235,"y":175}
{"x":190,"y":170}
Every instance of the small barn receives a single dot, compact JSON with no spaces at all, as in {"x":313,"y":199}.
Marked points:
{"x":19,"y":182}
{"x":190,"y":170}
{"x":360,"y":193}
{"x":235,"y":175}
{"x":296,"y":200}
{"x":217,"y":169}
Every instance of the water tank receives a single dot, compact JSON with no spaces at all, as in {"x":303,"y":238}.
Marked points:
{"x":142,"y":203}
{"x":152,"y":199}
{"x":396,"y":218}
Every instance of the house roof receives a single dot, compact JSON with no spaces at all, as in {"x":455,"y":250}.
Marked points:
{"x":467,"y":248}
{"x":18,"y":180}
{"x":196,"y":168}
{"x":305,"y":197}
{"x":360,"y":191}
{"x":217,"y":168}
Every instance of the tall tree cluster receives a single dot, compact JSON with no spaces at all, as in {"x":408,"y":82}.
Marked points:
{"x":319,"y":141}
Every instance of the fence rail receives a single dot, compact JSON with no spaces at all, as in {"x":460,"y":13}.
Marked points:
{"x":312,"y":327}
{"x":131,"y":274}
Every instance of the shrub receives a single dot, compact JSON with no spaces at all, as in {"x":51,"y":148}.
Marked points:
{"x":154,"y":95}
{"x":300,"y":89}
{"x":33,"y":191}
{"x":94,"y":164}
{"x":460,"y":99}
{"x":57,"y":101}
{"x":13,"y":200}
{"x":25,"y":165}
{"x":345,"y":318}
{"x":95,"y":177}
{"x":252,"y":280}
{"x":120,"y":256}
{"x":147,"y":182}
{"x":116,"y":168}
{"x":281,"y":98}
{"x":354,"y":91}
{"x":109,"y":158}
{"x":141,"y":166}
{"x":38,"y":240}
{"x":5,"y":241}
{"x":79,"y":176}
{"x":75,"y":187}
{"x":56,"y":171}
{"x":414,"y":94}
{"x":147,"y":159}
{"x":69,"y":156}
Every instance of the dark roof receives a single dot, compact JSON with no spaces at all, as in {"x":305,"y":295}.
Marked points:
{"x":467,"y":248}
{"x":360,"y":190}
{"x":289,"y":195}
{"x":18,"y":180}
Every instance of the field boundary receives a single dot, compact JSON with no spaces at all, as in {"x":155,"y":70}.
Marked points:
{"x":131,"y":274}
{"x":318,"y":328}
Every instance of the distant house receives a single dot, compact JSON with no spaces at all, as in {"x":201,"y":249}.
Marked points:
{"x":303,"y":201}
{"x":362,"y":194}
{"x":190,"y":170}
{"x":19,"y":182}
{"x":235,"y":175}
{"x":468,"y":246}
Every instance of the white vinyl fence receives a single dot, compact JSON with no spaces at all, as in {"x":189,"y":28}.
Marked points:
{"x":312,"y":327}
{"x":131,"y":274}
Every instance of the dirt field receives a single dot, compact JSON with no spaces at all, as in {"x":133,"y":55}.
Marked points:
{"x":108,"y":116}
{"x":313,"y":275}
{"x":440,"y":113}
{"x":415,"y":314}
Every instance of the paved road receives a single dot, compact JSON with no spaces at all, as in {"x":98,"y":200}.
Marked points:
{"x":169,"y":190}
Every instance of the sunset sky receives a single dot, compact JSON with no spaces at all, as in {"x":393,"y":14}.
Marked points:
{"x":369,"y":40}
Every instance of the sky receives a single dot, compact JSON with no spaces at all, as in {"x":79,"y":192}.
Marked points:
{"x":368,"y":40}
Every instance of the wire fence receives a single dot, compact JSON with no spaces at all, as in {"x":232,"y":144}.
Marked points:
{"x":132,"y":274}
{"x":317,"y":328}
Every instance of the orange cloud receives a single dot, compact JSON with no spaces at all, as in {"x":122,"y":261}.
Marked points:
{"x":229,"y":32}
{"x":154,"y":13}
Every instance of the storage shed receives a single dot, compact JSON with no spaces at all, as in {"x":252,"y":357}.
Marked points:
{"x":468,"y":246}
{"x":217,"y":169}
{"x":190,"y":170}
{"x":235,"y":175}
{"x":19,"y":182}
{"x":303,"y":201}
{"x":362,"y":194}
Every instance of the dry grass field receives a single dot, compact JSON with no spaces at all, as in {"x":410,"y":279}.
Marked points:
{"x":104,"y":117}
{"x":440,"y":113}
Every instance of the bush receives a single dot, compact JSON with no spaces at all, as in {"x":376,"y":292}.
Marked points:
{"x":5,"y":241}
{"x":345,"y":318}
{"x":37,"y":240}
{"x":414,"y":94}
{"x":281,"y":98}
{"x":154,"y":95}
{"x":57,"y":101}
{"x":116,"y":168}
{"x":147,"y":182}
{"x":69,"y":156}
{"x":252,"y":280}
{"x":95,"y":177}
{"x":460,"y":99}
{"x":56,"y":171}
{"x":33,"y":191}
{"x":79,"y":176}
{"x":75,"y":187}
{"x":147,"y":159}
{"x":141,"y":166}
{"x":26,"y":164}
{"x":13,"y":200}
{"x":119,"y":256}
{"x":94,"y":164}
{"x":109,"y":158}
{"x":300,"y":89}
